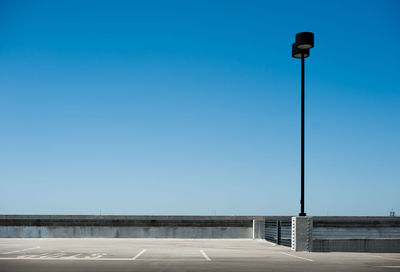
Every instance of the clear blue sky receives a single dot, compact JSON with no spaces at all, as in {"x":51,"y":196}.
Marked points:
{"x":193,"y":107}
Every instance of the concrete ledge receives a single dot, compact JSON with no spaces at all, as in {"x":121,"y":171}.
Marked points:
{"x":128,"y":217}
{"x":356,"y":222}
{"x":88,"y":226}
{"x":259,"y":229}
{"x":356,"y":234}
{"x":134,"y":222}
{"x":356,"y":245}
{"x":126,"y":232}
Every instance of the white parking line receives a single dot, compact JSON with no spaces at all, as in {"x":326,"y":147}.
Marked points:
{"x":15,"y":251}
{"x":386,"y":258}
{"x":100,"y":255}
{"x":205,"y":255}
{"x":51,"y":255}
{"x":27,"y":256}
{"x":376,"y":256}
{"x":138,"y":255}
{"x":268,"y":242}
{"x":69,"y":259}
{"x":72,"y":257}
{"x":297,"y":257}
{"x":58,"y":256}
{"x":42,"y":254}
{"x":104,"y":259}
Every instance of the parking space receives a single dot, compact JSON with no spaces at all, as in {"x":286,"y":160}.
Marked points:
{"x":178,"y":255}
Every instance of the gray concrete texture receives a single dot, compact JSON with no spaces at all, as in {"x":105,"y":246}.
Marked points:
{"x":177,"y":255}
{"x":355,"y":234}
{"x":42,"y":226}
{"x":356,"y":227}
{"x":259,"y":229}
{"x":356,"y":245}
{"x":125,"y":232}
{"x":301,"y":233}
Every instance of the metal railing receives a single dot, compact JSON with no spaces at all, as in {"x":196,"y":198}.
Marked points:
{"x":279,"y":231}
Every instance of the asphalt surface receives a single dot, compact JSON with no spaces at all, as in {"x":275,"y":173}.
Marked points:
{"x":178,"y":255}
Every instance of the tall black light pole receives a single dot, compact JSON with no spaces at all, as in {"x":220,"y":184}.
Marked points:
{"x":301,"y":50}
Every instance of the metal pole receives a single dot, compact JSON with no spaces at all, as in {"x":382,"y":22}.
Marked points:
{"x":302,"y":213}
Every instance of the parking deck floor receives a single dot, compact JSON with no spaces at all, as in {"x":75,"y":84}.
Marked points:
{"x":94,"y":254}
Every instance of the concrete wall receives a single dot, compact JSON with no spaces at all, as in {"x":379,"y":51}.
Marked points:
{"x":124,"y":232}
{"x":302,"y":233}
{"x":357,"y":245}
{"x":356,"y":227}
{"x":347,"y":233}
{"x":259,"y":229}
{"x":356,"y":234}
{"x":45,"y":226}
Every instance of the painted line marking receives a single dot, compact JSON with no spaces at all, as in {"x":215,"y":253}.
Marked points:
{"x":59,"y":256}
{"x":205,"y":255}
{"x":42,"y":254}
{"x":268,"y":242}
{"x":297,"y":257}
{"x":53,"y":255}
{"x":27,"y":256}
{"x":70,"y":259}
{"x":138,"y":255}
{"x":21,"y":250}
{"x":48,"y":255}
{"x":386,"y":258}
{"x":67,"y":259}
{"x":100,"y":255}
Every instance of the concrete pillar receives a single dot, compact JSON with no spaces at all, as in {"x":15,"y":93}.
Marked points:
{"x":302,"y":233}
{"x":258,"y":229}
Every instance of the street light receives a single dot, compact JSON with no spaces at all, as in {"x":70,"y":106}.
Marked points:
{"x":301,"y":50}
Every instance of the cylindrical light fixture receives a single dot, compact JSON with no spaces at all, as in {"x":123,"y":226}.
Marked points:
{"x":305,"y":40}
{"x":298,"y":53}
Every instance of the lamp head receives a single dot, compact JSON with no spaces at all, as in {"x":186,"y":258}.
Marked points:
{"x":298,"y":53}
{"x":305,"y":40}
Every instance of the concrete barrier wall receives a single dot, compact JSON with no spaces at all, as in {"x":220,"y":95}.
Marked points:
{"x":259,"y":229}
{"x":346,"y":234}
{"x":357,"y":245}
{"x":356,"y":234}
{"x":302,"y":233}
{"x":88,"y":226}
{"x":356,"y":227}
